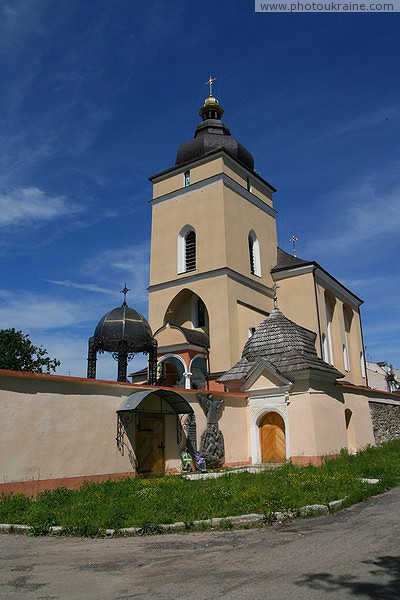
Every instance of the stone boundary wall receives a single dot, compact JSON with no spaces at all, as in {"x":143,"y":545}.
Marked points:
{"x":385,"y":421}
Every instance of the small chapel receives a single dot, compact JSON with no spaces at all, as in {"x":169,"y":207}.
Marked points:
{"x":255,"y":355}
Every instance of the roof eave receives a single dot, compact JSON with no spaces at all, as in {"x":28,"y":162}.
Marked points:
{"x":316,"y":266}
{"x":210,"y":154}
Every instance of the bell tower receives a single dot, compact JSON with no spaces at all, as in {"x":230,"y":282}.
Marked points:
{"x":213,"y":244}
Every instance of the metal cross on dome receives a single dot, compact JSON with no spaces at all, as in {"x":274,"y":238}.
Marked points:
{"x":275,"y":287}
{"x":124,"y":291}
{"x":294,"y":239}
{"x":210,"y":83}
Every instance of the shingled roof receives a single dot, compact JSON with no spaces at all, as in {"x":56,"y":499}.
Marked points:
{"x":286,"y":345}
{"x":288,"y":261}
{"x":195,"y":337}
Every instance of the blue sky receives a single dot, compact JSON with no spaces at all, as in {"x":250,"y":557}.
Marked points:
{"x":97,"y":96}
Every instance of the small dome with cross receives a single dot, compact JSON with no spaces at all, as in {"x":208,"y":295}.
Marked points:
{"x":123,"y":331}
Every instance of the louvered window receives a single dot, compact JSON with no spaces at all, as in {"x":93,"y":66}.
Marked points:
{"x":190,"y":251}
{"x":251,"y":254}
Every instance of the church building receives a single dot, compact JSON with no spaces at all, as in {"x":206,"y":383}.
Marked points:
{"x":216,"y":265}
{"x":255,"y":355}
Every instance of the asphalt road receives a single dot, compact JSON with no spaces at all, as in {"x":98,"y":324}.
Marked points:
{"x":352,"y":554}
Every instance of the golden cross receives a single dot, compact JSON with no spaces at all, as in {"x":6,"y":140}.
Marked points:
{"x":210,"y":82}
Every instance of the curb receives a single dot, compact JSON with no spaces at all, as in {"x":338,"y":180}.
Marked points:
{"x":279,"y":517}
{"x":310,"y":510}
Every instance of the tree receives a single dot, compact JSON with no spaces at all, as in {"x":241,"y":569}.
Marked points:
{"x":17,"y":353}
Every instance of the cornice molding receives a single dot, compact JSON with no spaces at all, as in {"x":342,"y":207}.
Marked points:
{"x":223,"y":271}
{"x":219,"y":178}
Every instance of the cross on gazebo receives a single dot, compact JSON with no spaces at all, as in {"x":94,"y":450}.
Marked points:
{"x":124,"y":291}
{"x":210,"y":83}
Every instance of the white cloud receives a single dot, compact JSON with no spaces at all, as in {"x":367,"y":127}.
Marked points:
{"x":130,"y":264}
{"x":26,"y":205}
{"x":364,"y":121}
{"x":28,"y":311}
{"x":364,"y":215}
{"x":71,"y":351}
{"x":88,"y":287}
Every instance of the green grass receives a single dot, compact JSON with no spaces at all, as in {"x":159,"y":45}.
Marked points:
{"x":148,"y":503}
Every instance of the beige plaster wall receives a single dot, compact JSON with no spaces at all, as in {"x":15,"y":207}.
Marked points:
{"x":317,"y":421}
{"x":240,"y":175}
{"x":168,"y":218}
{"x":223,"y":220}
{"x":362,"y":421}
{"x":355,"y":345}
{"x":296,"y":299}
{"x":247,"y":317}
{"x":214,"y":293}
{"x":303,"y":301}
{"x":241,"y":217}
{"x":172,"y":182}
{"x":56,"y":428}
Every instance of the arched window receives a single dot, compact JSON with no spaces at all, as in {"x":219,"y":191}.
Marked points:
{"x":329,"y":308}
{"x":254,"y":254}
{"x":198,"y":312}
{"x":198,"y":368}
{"x":346,"y":346}
{"x":362,"y":365}
{"x":187,"y":250}
{"x":346,"y":363}
{"x":190,"y":251}
{"x":171,"y":369}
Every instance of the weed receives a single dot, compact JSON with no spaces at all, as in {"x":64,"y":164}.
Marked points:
{"x":147,"y":503}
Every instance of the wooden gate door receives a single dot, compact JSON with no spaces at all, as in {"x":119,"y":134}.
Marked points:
{"x":272,"y":438}
{"x":150,"y":445}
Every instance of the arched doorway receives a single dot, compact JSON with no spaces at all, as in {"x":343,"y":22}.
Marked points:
{"x":272,"y":438}
{"x":144,"y":417}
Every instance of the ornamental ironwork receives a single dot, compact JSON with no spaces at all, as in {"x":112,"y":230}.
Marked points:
{"x":123,"y":332}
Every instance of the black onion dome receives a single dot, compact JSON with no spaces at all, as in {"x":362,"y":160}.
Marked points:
{"x":212,"y":134}
{"x":123,"y":324}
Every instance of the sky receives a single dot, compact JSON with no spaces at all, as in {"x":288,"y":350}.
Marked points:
{"x":97,"y":96}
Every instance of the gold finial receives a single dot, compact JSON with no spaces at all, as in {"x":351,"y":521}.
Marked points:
{"x":210,"y":83}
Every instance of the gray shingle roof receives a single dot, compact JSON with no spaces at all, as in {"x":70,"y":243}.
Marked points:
{"x":286,"y":345}
{"x":285,"y":261}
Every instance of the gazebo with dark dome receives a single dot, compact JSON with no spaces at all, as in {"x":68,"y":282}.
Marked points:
{"x":123,"y":331}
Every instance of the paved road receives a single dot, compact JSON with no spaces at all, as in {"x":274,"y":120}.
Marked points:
{"x":353,"y":554}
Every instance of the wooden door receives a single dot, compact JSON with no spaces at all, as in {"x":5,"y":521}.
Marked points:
{"x":150,"y":445}
{"x":272,"y":438}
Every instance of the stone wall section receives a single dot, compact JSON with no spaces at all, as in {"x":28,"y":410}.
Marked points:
{"x":385,"y":421}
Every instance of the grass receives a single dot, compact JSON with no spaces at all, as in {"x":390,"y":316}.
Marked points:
{"x":149,"y":503}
